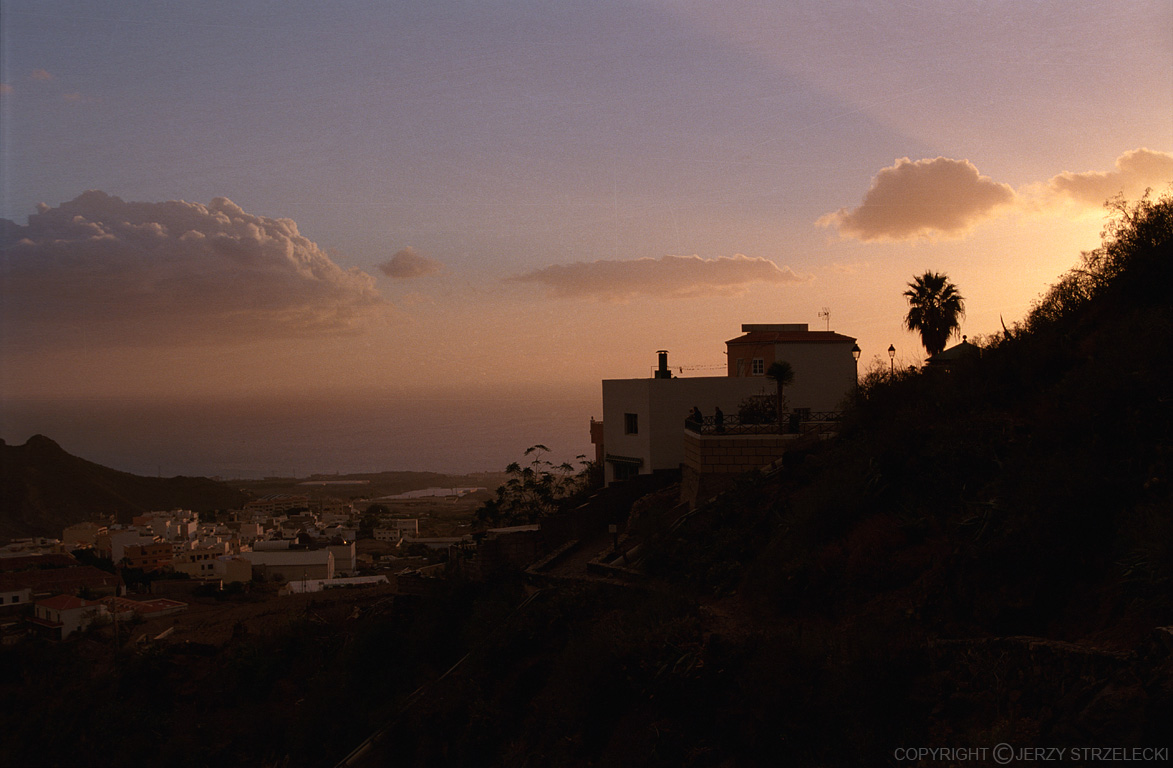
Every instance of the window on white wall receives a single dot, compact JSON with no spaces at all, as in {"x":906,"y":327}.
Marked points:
{"x":759,"y":367}
{"x":631,"y":423}
{"x":623,"y":470}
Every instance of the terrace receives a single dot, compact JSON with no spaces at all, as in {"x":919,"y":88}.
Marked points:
{"x":730,"y":445}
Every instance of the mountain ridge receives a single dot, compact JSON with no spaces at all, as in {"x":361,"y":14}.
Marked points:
{"x":44,"y":488}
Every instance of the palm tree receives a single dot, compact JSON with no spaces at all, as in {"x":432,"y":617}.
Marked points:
{"x":935,"y":309}
{"x":783,"y":375}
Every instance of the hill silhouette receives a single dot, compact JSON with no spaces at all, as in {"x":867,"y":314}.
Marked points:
{"x":984,"y":557}
{"x":43,"y":489}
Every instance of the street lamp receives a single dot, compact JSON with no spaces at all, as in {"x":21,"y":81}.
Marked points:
{"x":855,"y":353}
{"x":892,"y":359}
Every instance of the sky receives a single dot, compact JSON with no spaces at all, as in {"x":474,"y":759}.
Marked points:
{"x":269,"y":199}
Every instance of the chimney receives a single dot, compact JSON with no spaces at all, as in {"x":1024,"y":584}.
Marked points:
{"x":663,"y":372}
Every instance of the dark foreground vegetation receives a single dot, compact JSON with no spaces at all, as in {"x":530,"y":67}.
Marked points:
{"x":985,"y":555}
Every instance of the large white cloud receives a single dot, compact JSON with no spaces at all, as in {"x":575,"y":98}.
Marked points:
{"x":670,"y":277}
{"x":1136,"y":171}
{"x":939,"y":197}
{"x":98,"y":271}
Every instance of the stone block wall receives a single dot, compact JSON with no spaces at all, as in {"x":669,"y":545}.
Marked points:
{"x":733,"y":454}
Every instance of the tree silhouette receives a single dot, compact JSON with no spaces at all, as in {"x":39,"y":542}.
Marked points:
{"x":783,"y":375}
{"x":935,"y":309}
{"x":538,"y":489}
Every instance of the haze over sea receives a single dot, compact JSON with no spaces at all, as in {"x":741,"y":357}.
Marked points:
{"x":452,"y":431}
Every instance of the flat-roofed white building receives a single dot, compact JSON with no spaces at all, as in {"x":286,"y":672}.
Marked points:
{"x":288,"y":565}
{"x":644,"y":419}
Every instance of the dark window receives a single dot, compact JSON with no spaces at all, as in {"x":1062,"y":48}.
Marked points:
{"x":759,"y":367}
{"x":631,"y":424}
{"x":622,"y":470}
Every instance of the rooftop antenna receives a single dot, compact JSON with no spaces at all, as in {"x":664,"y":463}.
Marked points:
{"x":825,"y":313}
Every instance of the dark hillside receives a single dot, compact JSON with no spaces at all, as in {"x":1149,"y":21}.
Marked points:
{"x":43,"y":489}
{"x":983,"y":557}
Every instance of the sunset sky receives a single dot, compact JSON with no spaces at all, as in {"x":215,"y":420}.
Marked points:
{"x":274,"y":197}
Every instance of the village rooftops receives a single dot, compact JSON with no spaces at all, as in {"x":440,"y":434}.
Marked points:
{"x":36,"y":562}
{"x":61,"y":580}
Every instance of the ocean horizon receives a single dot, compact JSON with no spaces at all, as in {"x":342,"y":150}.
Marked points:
{"x":250,"y":437}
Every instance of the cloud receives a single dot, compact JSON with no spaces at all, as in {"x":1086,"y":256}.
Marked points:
{"x":1136,"y":171}
{"x":938,"y":197}
{"x":409,"y":263}
{"x":670,"y":277}
{"x":946,"y":197}
{"x":98,"y":271}
{"x":40,"y":74}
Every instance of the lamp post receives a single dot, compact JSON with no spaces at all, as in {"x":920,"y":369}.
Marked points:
{"x":855,"y":353}
{"x":891,"y":359}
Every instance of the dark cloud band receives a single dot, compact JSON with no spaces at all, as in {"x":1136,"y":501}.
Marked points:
{"x":669,"y":277}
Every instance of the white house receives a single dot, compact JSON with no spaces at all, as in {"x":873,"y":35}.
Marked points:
{"x":344,"y":558}
{"x":823,"y":364}
{"x":233,"y":568}
{"x":394,"y":530}
{"x":65,"y":614}
{"x":116,"y":542}
{"x":644,"y":419}
{"x":14,"y":594}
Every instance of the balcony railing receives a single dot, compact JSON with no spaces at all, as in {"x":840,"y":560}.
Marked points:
{"x":793,"y":423}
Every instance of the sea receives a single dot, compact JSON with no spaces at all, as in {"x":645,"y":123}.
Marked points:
{"x":455,"y":431}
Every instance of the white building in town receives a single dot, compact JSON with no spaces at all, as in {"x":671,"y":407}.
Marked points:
{"x":288,"y":565}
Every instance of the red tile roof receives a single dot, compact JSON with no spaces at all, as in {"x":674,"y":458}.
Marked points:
{"x":66,"y":603}
{"x":792,"y":337}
